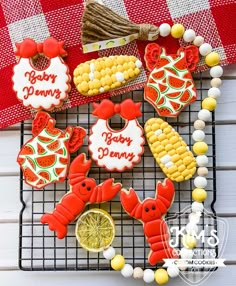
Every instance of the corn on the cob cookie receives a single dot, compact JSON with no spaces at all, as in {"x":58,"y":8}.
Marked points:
{"x":170,"y":150}
{"x":104,"y":74}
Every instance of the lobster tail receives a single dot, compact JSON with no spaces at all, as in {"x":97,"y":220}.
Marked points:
{"x":55,"y":225}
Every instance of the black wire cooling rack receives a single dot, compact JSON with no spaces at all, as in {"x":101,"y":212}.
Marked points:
{"x":39,"y":249}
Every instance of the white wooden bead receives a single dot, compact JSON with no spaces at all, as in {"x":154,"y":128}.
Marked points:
{"x":148,"y":276}
{"x":198,"y":135}
{"x":202,"y":171}
{"x":214,"y":92}
{"x":200,"y":182}
{"x":138,"y":273}
{"x":216,"y":82}
{"x":197,"y":207}
{"x":189,"y":35}
{"x":164,"y":29}
{"x":198,"y":41}
{"x":186,"y":253}
{"x":173,"y":271}
{"x":191,"y":228}
{"x":194,"y":217}
{"x":199,"y":124}
{"x":127,"y":271}
{"x":216,"y":71}
{"x":204,"y":115}
{"x":109,"y":253}
{"x":205,"y":49}
{"x":202,"y":160}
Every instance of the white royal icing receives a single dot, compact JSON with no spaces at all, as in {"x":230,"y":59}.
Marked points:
{"x":116,"y":150}
{"x":41,"y":88}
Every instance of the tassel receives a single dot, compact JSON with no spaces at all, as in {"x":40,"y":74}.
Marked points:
{"x":102,"y":28}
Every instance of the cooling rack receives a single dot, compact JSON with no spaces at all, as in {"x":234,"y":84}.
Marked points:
{"x":40,"y":250}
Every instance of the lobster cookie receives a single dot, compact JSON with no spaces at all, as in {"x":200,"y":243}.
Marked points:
{"x":116,"y":150}
{"x":104,"y":74}
{"x":150,"y":213}
{"x":170,"y":151}
{"x":170,"y":87}
{"x":83,"y":191}
{"x":46,"y":88}
{"x":44,"y":159}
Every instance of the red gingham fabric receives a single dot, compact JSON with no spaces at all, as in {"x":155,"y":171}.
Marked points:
{"x":39,"y":19}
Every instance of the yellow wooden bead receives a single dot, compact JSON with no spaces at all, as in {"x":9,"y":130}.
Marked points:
{"x":118,"y":262}
{"x":177,"y":31}
{"x":199,"y":195}
{"x":161,"y":276}
{"x":209,"y":103}
{"x":212,"y":59}
{"x":200,"y":148}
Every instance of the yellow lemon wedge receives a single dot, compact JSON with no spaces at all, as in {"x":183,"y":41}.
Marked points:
{"x":95,"y":230}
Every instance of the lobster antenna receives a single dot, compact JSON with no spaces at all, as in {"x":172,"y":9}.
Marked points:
{"x":100,"y":23}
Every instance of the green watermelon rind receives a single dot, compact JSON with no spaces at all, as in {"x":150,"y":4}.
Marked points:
{"x":50,"y":135}
{"x":58,"y":147}
{"x":33,"y":161}
{"x":45,"y":180}
{"x":158,"y":91}
{"x":45,"y":142}
{"x":174,"y":97}
{"x":47,"y":167}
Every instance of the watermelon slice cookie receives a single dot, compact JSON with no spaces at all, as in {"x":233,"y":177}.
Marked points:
{"x":44,"y":159}
{"x":170,"y":87}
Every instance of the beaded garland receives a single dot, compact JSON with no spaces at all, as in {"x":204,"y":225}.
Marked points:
{"x":200,"y":148}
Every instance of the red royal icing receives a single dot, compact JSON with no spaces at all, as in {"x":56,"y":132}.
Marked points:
{"x":150,"y":213}
{"x":83,"y":191}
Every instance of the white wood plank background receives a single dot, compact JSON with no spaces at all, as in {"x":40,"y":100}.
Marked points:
{"x":225,"y":205}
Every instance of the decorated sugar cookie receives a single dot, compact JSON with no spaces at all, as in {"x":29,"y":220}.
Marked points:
{"x":104,"y":74}
{"x":170,"y":87}
{"x":170,"y":151}
{"x":116,"y":150}
{"x":150,"y":213}
{"x":46,"y":88}
{"x":44,"y":159}
{"x":83,"y":191}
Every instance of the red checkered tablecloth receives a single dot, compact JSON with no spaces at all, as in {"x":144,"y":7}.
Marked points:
{"x":39,"y":19}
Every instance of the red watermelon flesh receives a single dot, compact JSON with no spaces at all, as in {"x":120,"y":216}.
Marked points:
{"x":30,"y":176}
{"x":159,"y":74}
{"x":150,"y":80}
{"x":181,"y":64}
{"x":40,"y":149}
{"x":163,"y":111}
{"x":27,"y":150}
{"x":151,"y":93}
{"x":162,"y":62}
{"x":171,"y":71}
{"x":45,"y":175}
{"x":163,"y":88}
{"x":176,"y":82}
{"x":54,"y":145}
{"x":64,"y":161}
{"x":58,"y":171}
{"x":46,"y":161}
{"x":188,"y":84}
{"x":45,"y":139}
{"x":161,"y":101}
{"x":60,"y":151}
{"x":174,"y":94}
{"x":175,"y":105}
{"x":40,"y":183}
{"x":31,"y":162}
{"x":53,"y":131}
{"x":187,"y":76}
{"x":186,"y":96}
{"x":20,"y":160}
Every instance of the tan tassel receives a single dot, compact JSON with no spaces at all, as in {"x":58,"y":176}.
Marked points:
{"x":100,"y":25}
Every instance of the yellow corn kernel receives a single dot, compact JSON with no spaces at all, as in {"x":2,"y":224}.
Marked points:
{"x":174,"y":139}
{"x":172,"y":152}
{"x":168,"y":147}
{"x":162,"y":154}
{"x":181,"y":150}
{"x":167,"y":130}
{"x":164,"y":125}
{"x":172,"y":169}
{"x":125,"y":66}
{"x":179,"y":179}
{"x":175,"y":158}
{"x":132,"y":59}
{"x":162,"y":137}
{"x":152,"y":138}
{"x":86,"y":68}
{"x":165,"y":142}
